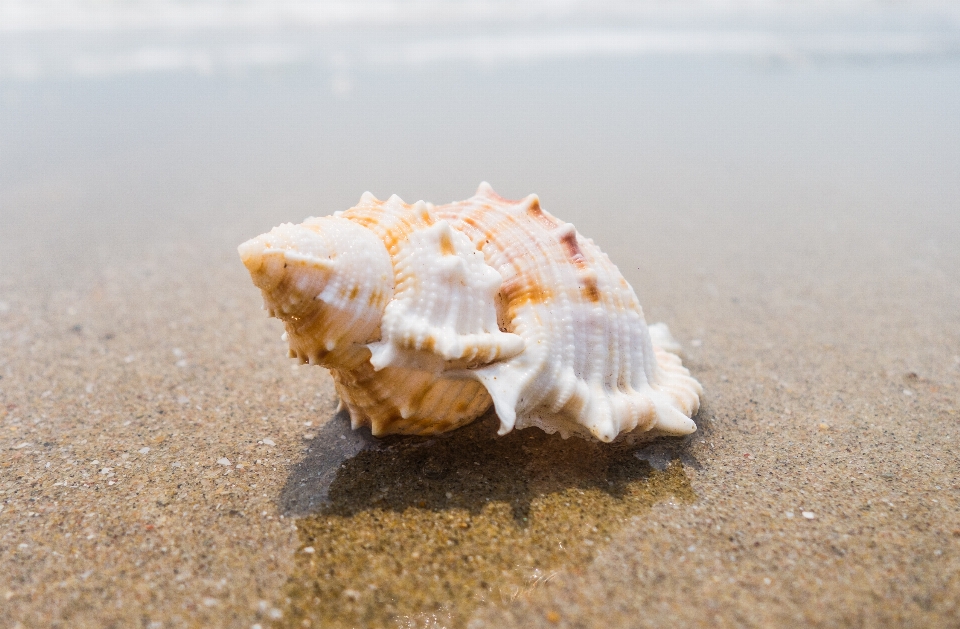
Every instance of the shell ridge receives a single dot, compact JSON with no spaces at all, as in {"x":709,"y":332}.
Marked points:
{"x":442,"y":285}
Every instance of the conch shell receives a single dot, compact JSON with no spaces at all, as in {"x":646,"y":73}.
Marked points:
{"x":426,"y":315}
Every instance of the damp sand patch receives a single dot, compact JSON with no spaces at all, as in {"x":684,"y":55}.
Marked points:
{"x":419,"y":532}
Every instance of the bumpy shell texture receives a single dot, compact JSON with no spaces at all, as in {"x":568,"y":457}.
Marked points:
{"x":426,"y":315}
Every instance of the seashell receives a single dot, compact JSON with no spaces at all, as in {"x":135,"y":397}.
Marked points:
{"x":426,"y":315}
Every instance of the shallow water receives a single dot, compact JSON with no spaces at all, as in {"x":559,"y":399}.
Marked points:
{"x":644,"y":155}
{"x":409,"y":530}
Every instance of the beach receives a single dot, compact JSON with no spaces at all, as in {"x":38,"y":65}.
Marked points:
{"x":795,"y":223}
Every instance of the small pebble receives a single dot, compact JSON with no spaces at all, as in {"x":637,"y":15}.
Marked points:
{"x":808,"y":514}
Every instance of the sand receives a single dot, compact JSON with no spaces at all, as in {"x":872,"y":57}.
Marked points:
{"x":163,"y":464}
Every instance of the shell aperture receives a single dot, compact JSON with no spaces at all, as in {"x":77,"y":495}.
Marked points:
{"x":426,"y":315}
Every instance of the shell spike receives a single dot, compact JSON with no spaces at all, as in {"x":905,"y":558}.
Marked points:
{"x":531,"y":203}
{"x":485,"y":190}
{"x":367,"y":198}
{"x":505,"y":389}
{"x":382,"y":355}
{"x":422,"y":211}
{"x":671,"y":421}
{"x":598,"y":417}
{"x":395,"y":200}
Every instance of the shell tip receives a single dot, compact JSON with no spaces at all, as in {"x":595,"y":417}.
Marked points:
{"x":531,"y":203}
{"x":485,"y":190}
{"x":422,"y":210}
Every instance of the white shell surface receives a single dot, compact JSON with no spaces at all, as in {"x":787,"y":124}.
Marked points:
{"x":490,"y":301}
{"x":444,"y":305}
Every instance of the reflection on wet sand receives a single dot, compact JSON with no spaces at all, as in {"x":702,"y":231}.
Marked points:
{"x":412,"y":531}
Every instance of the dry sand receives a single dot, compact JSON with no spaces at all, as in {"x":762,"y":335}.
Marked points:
{"x":164,"y":464}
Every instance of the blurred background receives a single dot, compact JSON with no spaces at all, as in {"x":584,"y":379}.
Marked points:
{"x":126,"y":124}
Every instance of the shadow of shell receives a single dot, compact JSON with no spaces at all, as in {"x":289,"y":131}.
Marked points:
{"x":404,"y":528}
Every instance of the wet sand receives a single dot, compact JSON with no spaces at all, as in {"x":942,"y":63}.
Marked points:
{"x":165,"y":465}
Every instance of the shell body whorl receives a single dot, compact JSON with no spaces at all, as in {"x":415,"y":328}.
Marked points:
{"x":487,"y":301}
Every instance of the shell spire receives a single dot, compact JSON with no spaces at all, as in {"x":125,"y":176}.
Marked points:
{"x":427,"y":315}
{"x":328,"y":279}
